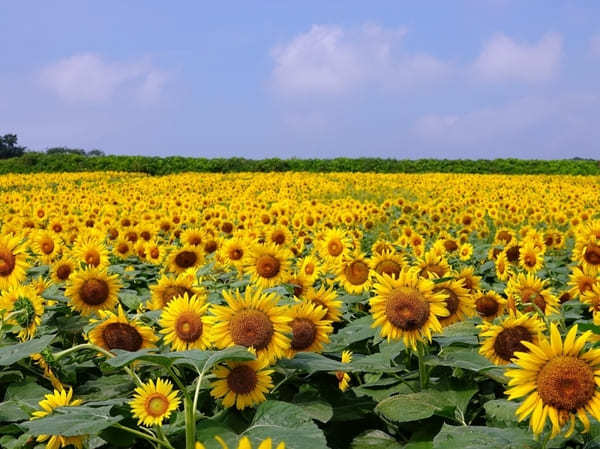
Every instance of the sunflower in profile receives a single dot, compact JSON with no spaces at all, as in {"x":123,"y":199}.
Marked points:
{"x":328,"y":299}
{"x":92,"y":289}
{"x":254,"y":320}
{"x":342,"y":376}
{"x":58,"y":398}
{"x":153,"y":402}
{"x":169,"y":287}
{"x":243,"y":384}
{"x":459,"y":301}
{"x":489,"y":304}
{"x":387,"y":262}
{"x":592,"y":299}
{"x":185,"y":323}
{"x":502,"y":267}
{"x":46,"y":245}
{"x":117,"y":331}
{"x":353,"y":273}
{"x":13,"y":264}
{"x":529,"y":289}
{"x":245,"y":443}
{"x":181,"y":259}
{"x":267,"y":264}
{"x":582,"y":279}
{"x":560,"y":380}
{"x":407,"y":308}
{"x":310,"y":331}
{"x":25,"y":307}
{"x":62,"y":269}
{"x":500,"y":342}
{"x":531,"y":258}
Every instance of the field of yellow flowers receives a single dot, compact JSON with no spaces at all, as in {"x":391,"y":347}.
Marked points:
{"x":299,"y":311}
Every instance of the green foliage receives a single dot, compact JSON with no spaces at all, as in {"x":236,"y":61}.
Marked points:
{"x":9,"y":147}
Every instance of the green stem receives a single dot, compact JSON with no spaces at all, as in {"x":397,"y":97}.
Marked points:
{"x":423,"y":375}
{"x":197,"y":393}
{"x":190,"y":424}
{"x":61,"y":354}
{"x":144,"y":435}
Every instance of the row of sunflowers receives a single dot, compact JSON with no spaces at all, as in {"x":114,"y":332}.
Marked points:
{"x":271,"y":310}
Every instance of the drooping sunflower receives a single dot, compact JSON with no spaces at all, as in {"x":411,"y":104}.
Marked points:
{"x":92,"y":289}
{"x":529,"y":289}
{"x":51,"y":401}
{"x":254,"y":320}
{"x":353,"y":273}
{"x":342,"y":376}
{"x":489,"y":304}
{"x":243,"y":384}
{"x":25,"y":307}
{"x":560,"y":380}
{"x":13,"y":261}
{"x":267,"y":264}
{"x":387,"y":262}
{"x":326,"y":298}
{"x":459,"y":301}
{"x":310,"y":331}
{"x":169,"y":287}
{"x":500,"y":342}
{"x":185,"y":323}
{"x":117,"y":331}
{"x":180,"y":259}
{"x":244,"y":443}
{"x":153,"y":402}
{"x":407,"y":308}
{"x":62,"y":269}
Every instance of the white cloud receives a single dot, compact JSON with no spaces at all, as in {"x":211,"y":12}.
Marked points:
{"x":503,"y":59}
{"x":88,"y":77}
{"x":595,"y":46}
{"x":329,"y":59}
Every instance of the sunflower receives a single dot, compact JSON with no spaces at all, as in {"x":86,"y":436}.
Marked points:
{"x":531,"y":258}
{"x":407,"y":308}
{"x":58,"y":398}
{"x":470,"y":280}
{"x":489,"y":304}
{"x":309,"y":267}
{"x":233,"y":251}
{"x":25,"y":308}
{"x":152,"y":402}
{"x":353,"y":273}
{"x":92,"y":289}
{"x":13,"y":265}
{"x":267,"y":264}
{"x":243,"y":384}
{"x":298,"y":282}
{"x":326,"y":298}
{"x":123,"y":248}
{"x":342,"y":376}
{"x":117,"y":331}
{"x":387,"y":262}
{"x":592,"y":299}
{"x":154,"y":252}
{"x":185,"y":324}
{"x":587,"y":246}
{"x":459,"y":301}
{"x":253,"y":320}
{"x":46,"y":245}
{"x":333,"y":245}
{"x":180,"y":259}
{"x":169,"y":287}
{"x":529,"y":289}
{"x":91,"y":252}
{"x":465,"y":251}
{"x":192,"y":237}
{"x":582,"y":279}
{"x":501,"y":341}
{"x":432,"y":264}
{"x":310,"y":331}
{"x":62,"y":269}
{"x":245,"y":443}
{"x":560,"y":381}
{"x":502,"y":267}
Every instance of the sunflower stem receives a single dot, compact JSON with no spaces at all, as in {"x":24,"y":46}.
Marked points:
{"x":190,"y":424}
{"x":144,"y":435}
{"x":197,"y":393}
{"x":61,"y":354}
{"x":423,"y":375}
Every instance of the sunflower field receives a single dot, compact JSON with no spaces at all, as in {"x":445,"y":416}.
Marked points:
{"x":299,"y":310}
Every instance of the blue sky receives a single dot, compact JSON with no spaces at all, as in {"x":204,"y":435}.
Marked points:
{"x":459,"y":79}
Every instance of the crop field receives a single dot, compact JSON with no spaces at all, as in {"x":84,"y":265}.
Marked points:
{"x":299,"y":310}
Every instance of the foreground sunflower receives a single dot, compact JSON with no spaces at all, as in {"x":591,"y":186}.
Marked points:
{"x":51,"y":401}
{"x":501,"y":341}
{"x":243,"y":384}
{"x":13,"y":262}
{"x":328,"y":299}
{"x":154,"y":402}
{"x":254,"y":320}
{"x":245,"y":443}
{"x":117,"y":331}
{"x":407,"y":308}
{"x":310,"y":329}
{"x":92,"y":289}
{"x":560,"y":381}
{"x":25,"y":308}
{"x":185,"y":323}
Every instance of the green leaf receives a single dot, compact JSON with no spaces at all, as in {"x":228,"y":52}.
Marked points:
{"x":311,"y":362}
{"x":124,"y":358}
{"x":13,"y":353}
{"x":501,"y":411}
{"x":357,"y":330}
{"x":319,"y":410}
{"x":375,"y":439}
{"x":482,"y":437}
{"x":73,"y":421}
{"x":463,"y":332}
{"x":204,"y":360}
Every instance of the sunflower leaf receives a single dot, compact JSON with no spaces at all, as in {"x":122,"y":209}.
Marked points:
{"x":73,"y":421}
{"x":13,"y":353}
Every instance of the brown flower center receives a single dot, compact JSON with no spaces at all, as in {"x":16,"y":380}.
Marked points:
{"x":504,"y":236}
{"x":529,"y":295}
{"x":92,"y":257}
{"x":335,"y":247}
{"x":509,"y":340}
{"x":452,"y":301}
{"x":512,"y":254}
{"x":433,"y":268}
{"x":188,"y":326}
{"x":156,"y":404}
{"x":357,"y":272}
{"x":210,"y":246}
{"x":174,"y":291}
{"x":47,"y":246}
{"x":267,"y":266}
{"x":236,"y":254}
{"x":122,"y":336}
{"x":94,"y":292}
{"x":278,"y":237}
{"x":186,"y":259}
{"x":63,"y":272}
{"x":592,"y":254}
{"x":566,"y":383}
{"x":407,"y":309}
{"x":450,"y":245}
{"x":7,"y":262}
{"x":251,"y":328}
{"x":487,"y":306}
{"x":227,"y":227}
{"x":304,"y":333}
{"x":242,"y":379}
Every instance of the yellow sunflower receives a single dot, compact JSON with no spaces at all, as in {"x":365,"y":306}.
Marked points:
{"x":387,"y":262}
{"x":310,"y":331}
{"x":169,"y":287}
{"x":326,"y":298}
{"x":185,"y":323}
{"x":253,"y":320}
{"x":243,"y":384}
{"x":153,"y":402}
{"x":245,"y":443}
{"x":489,"y":304}
{"x":13,"y":263}
{"x":51,"y":401}
{"x":407,"y":308}
{"x":582,"y":279}
{"x":62,"y":269}
{"x":333,"y":245}
{"x":353,"y":273}
{"x":91,"y":252}
{"x":117,"y":331}
{"x":531,"y":258}
{"x":342,"y":376}
{"x":592,"y":299}
{"x":181,"y":259}
{"x":46,"y":246}
{"x":469,"y":278}
{"x":529,"y":289}
{"x":560,"y":380}
{"x":92,"y":289}
{"x":499,"y":342}
{"x":23,"y":308}
{"x":432,"y":264}
{"x":267,"y":264}
{"x":459,"y":301}
{"x":502,"y":267}
{"x":233,"y":251}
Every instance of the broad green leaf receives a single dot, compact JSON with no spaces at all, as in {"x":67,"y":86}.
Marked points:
{"x":482,"y":437}
{"x":357,"y":330}
{"x":463,"y":332}
{"x":319,"y":410}
{"x":13,"y":353}
{"x":311,"y":362}
{"x":501,"y":411}
{"x":124,"y":358}
{"x":204,"y":360}
{"x":73,"y":421}
{"x":375,"y":439}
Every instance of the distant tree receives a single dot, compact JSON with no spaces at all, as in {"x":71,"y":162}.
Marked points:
{"x":9,"y":147}
{"x":96,"y":153}
{"x":65,"y":150}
